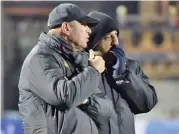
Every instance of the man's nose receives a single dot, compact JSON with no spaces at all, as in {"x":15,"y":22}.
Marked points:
{"x":88,"y":30}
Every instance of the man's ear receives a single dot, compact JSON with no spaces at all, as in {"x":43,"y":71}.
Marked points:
{"x":65,"y":28}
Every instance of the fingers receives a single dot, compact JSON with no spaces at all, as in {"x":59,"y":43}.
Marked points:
{"x":98,"y":58}
{"x":91,"y":54}
{"x":115,"y":38}
{"x":97,"y":53}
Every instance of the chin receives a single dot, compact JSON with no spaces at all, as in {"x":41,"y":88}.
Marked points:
{"x":85,"y":45}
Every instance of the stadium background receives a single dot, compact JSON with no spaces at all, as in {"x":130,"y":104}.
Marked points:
{"x":149,"y":31}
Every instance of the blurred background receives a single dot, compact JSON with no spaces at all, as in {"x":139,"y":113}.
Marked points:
{"x":149,"y":31}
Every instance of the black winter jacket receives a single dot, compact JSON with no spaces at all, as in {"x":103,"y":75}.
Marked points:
{"x":51,"y":88}
{"x":132,"y":96}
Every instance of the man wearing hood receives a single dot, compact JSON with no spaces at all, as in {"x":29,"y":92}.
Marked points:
{"x":123,"y":82}
{"x":57,"y":77}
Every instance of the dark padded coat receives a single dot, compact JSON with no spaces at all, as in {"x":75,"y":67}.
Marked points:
{"x":133,"y":95}
{"x":51,"y":88}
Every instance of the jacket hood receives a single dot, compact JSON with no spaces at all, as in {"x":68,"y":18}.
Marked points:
{"x":105,"y":25}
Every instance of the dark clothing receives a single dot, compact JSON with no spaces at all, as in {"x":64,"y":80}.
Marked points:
{"x":101,"y":110}
{"x":124,"y":114}
{"x":131,"y":91}
{"x":139,"y":93}
{"x":120,"y":61}
{"x":51,"y":88}
{"x":134,"y":97}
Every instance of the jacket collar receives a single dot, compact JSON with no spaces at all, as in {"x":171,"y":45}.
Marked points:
{"x":64,"y":47}
{"x":56,"y":42}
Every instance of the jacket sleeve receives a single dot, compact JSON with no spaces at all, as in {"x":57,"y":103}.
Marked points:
{"x":100,"y":109}
{"x":50,"y":84}
{"x":138,"y":92}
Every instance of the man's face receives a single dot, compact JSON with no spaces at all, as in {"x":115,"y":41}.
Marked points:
{"x":106,"y":44}
{"x":79,"y":34}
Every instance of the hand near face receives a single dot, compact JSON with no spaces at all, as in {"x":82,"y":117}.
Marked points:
{"x":96,"y":61}
{"x":108,"y":42}
{"x":114,"y":37}
{"x":91,"y":55}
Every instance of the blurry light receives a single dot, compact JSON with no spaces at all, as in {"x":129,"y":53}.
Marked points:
{"x":121,"y":14}
{"x":121,"y":10}
{"x":172,"y":10}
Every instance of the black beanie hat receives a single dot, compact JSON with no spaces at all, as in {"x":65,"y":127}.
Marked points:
{"x":105,"y":25}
